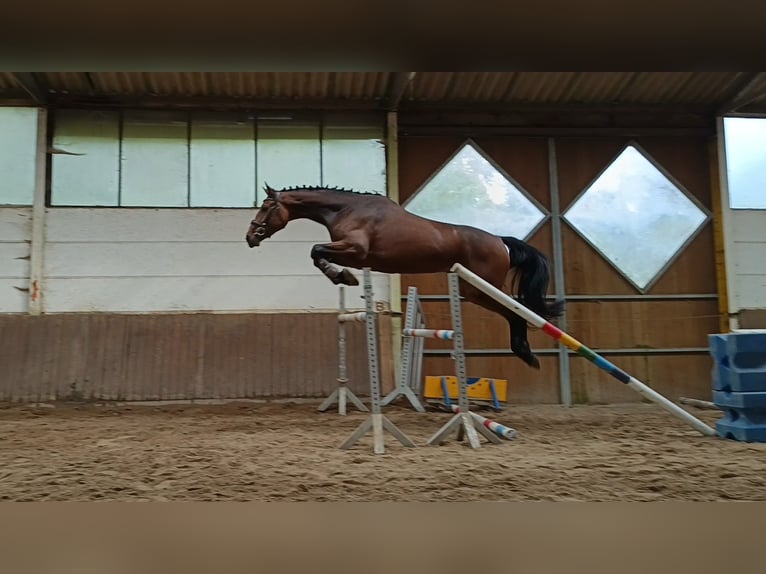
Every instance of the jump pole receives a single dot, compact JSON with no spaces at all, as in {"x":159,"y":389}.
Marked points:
{"x":462,"y":421}
{"x":376,"y":422}
{"x":575,"y":345}
{"x":342,"y":394}
{"x":495,"y":427}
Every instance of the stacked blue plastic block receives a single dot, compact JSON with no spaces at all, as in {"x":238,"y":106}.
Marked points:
{"x":739,"y":384}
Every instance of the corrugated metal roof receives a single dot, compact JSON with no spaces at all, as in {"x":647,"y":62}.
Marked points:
{"x":7,"y":82}
{"x":458,"y":88}
{"x":350,"y":85}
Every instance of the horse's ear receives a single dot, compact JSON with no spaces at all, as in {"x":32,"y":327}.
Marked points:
{"x":270,"y":193}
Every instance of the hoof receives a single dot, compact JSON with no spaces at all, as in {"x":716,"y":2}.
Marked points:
{"x":525,"y":354}
{"x":347,"y":278}
{"x":532,"y":362}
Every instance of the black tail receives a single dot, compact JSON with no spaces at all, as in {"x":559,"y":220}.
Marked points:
{"x":532,"y":278}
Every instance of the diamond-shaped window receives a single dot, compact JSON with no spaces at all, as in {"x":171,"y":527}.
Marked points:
{"x":470,"y":190}
{"x":636,"y":217}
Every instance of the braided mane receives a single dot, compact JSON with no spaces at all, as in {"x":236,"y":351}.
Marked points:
{"x":325,"y":190}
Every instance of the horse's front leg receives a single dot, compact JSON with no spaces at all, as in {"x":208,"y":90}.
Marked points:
{"x":326,"y":256}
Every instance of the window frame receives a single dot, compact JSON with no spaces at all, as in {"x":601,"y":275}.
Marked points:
{"x":546,"y":214}
{"x":724,"y":159}
{"x":681,"y":248}
{"x":372,"y":121}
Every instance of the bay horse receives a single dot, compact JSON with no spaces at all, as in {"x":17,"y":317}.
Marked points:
{"x":370,"y":230}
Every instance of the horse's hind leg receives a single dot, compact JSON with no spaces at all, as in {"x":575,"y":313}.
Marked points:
{"x":519,"y":341}
{"x":518,"y":326}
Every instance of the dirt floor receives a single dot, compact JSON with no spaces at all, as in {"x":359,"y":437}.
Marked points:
{"x":289,"y":452}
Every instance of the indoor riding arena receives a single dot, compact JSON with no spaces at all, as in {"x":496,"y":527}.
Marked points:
{"x":382,"y":286}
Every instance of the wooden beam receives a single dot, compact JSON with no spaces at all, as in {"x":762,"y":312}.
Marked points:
{"x":510,"y":89}
{"x":213,"y":103}
{"x":398,"y":86}
{"x":395,"y":280}
{"x":629,"y":83}
{"x":750,"y":86}
{"x":37,"y":247}
{"x":393,"y":98}
{"x":571,"y":86}
{"x":91,"y":83}
{"x":718,"y":237}
{"x":552,"y":130}
{"x":496,"y":107}
{"x":727,"y":224}
{"x":32,"y":84}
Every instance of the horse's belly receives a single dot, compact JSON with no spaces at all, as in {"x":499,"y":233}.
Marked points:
{"x":411,"y":262}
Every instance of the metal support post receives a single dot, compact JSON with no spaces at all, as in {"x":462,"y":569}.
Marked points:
{"x":377,"y":421}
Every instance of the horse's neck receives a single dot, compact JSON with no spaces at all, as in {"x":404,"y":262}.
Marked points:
{"x":316,"y":206}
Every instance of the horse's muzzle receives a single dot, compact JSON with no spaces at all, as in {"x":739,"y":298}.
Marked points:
{"x":253,"y":240}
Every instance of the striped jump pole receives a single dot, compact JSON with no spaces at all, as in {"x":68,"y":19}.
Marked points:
{"x":497,"y":428}
{"x":575,"y":345}
{"x":443,"y":334}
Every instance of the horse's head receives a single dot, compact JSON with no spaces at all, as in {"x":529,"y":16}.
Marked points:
{"x":271,"y":217}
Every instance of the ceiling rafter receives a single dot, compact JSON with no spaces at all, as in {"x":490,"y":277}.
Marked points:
{"x":749,"y":87}
{"x":33,"y":84}
{"x":399,"y":84}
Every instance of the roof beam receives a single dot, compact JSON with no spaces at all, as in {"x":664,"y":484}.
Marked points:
{"x":211,"y":103}
{"x":572,"y":86}
{"x":91,"y":84}
{"x":33,"y":85}
{"x":223,"y":103}
{"x":749,"y":87}
{"x":627,"y":86}
{"x":398,"y":87}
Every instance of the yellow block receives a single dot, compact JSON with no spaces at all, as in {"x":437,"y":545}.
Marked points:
{"x":480,"y":390}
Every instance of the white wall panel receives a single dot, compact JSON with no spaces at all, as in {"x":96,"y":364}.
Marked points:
{"x":14,"y":260}
{"x":15,"y":234}
{"x":746,"y":259}
{"x":752,"y":291}
{"x":15,"y":223}
{"x":158,"y":225}
{"x":748,"y":225}
{"x":750,"y":258}
{"x":12,"y":300}
{"x":176,"y":259}
{"x":296,"y":293}
{"x":149,"y":260}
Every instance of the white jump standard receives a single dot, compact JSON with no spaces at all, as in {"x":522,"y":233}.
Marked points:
{"x":408,"y":383}
{"x":343,"y":394}
{"x":462,"y":422}
{"x":563,"y":338}
{"x":376,"y":422}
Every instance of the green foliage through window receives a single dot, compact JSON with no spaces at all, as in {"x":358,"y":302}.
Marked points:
{"x":470,"y":190}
